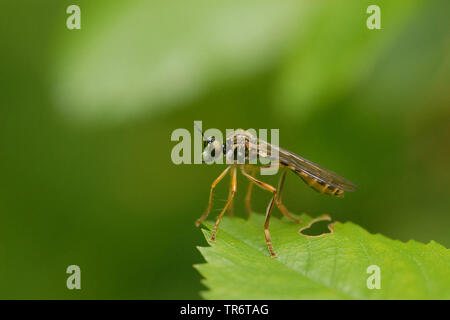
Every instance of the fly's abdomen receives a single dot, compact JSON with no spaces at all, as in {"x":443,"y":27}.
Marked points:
{"x":319,"y":185}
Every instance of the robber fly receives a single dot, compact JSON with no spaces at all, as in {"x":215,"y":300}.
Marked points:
{"x":242,"y":143}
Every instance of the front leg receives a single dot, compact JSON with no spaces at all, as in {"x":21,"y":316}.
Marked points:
{"x":214,"y":184}
{"x":230,"y":200}
{"x":231,"y":206}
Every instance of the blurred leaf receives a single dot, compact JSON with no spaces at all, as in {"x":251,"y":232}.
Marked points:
{"x":330,"y":267}
{"x":148,"y":56}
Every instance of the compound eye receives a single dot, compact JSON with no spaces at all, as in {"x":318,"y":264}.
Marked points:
{"x":217,"y":149}
{"x":208,"y":141}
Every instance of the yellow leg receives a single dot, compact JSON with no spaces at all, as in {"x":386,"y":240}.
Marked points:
{"x":230,"y":199}
{"x":267,"y":187}
{"x":248,"y":197}
{"x":279,"y":204}
{"x":231,"y":207}
{"x":214,"y":184}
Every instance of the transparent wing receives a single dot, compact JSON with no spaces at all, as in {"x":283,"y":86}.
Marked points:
{"x":301,"y":164}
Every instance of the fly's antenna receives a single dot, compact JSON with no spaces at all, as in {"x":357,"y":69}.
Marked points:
{"x":196,"y":127}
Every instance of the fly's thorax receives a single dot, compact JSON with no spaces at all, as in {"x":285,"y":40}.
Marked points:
{"x":240,"y":147}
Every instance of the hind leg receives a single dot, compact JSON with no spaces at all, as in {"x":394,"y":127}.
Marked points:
{"x":278,"y":202}
{"x":267,"y":187}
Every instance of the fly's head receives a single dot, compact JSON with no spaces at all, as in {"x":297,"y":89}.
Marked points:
{"x":213,"y":149}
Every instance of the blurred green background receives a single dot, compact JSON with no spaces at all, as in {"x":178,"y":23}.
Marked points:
{"x":86,"y":117}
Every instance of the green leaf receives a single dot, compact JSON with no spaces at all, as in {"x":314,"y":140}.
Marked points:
{"x":333,"y":266}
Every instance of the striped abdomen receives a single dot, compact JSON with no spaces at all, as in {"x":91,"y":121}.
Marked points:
{"x":319,"y":185}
